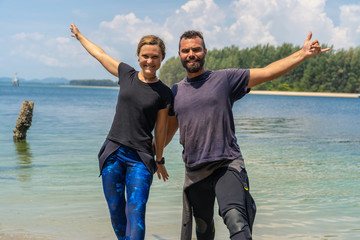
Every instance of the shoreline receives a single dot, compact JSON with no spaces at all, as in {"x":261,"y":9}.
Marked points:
{"x":262,"y":92}
{"x":305,"y":94}
{"x":84,"y":86}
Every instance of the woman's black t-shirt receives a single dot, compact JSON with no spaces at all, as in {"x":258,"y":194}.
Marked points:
{"x":136,"y":110}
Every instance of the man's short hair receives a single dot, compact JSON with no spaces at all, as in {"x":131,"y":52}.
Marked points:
{"x":192,"y":34}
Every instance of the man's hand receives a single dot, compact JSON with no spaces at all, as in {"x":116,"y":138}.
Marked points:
{"x":162,"y":173}
{"x":312,"y":48}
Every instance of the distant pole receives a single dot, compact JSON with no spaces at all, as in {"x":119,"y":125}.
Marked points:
{"x":15,"y":81}
{"x":24,"y":121}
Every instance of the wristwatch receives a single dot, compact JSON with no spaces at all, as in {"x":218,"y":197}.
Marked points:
{"x":161,"y":162}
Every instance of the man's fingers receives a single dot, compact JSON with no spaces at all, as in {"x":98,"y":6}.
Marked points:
{"x":315,"y":42}
{"x":309,"y":36}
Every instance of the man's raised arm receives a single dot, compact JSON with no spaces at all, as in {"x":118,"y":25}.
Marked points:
{"x":285,"y":65}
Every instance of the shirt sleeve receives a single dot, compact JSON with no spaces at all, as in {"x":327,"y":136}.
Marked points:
{"x":174,"y":91}
{"x":166,"y":98}
{"x":124,"y":70}
{"x":238,"y":80}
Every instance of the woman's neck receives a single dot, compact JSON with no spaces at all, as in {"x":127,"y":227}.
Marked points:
{"x":147,"y":79}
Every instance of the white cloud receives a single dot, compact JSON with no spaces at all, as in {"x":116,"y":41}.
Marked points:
{"x":120,"y":36}
{"x":50,"y":61}
{"x":129,"y":28}
{"x":244,"y":23}
{"x":278,"y":21}
{"x":28,"y":36}
{"x":250,"y":22}
{"x":37,"y":48}
{"x":203,"y":15}
{"x":347,"y":34}
{"x":62,"y":40}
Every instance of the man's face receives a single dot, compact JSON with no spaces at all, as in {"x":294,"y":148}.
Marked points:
{"x":192,"y":54}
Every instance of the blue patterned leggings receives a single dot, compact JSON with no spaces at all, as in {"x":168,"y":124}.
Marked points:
{"x":124,"y":170}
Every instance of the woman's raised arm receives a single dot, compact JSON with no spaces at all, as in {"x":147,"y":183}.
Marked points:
{"x":108,"y":62}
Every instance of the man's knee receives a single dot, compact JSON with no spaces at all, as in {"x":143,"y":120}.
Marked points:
{"x":237,"y":225}
{"x":204,"y":230}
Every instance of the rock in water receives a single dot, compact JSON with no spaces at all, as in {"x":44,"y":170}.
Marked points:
{"x":24,"y":120}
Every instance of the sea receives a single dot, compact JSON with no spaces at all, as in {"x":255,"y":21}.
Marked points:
{"x":302,"y":155}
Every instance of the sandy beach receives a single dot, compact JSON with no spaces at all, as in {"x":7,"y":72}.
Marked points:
{"x":22,"y":235}
{"x":261,"y":92}
{"x":308,"y":94}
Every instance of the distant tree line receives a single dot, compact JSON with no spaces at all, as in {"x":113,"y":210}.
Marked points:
{"x":102,"y":83}
{"x":333,"y":71}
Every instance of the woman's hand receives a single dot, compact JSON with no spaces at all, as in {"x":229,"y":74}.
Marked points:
{"x":162,"y":173}
{"x":107,"y":61}
{"x":75,"y":31}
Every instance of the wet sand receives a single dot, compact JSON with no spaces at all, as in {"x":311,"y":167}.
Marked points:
{"x":22,"y":235}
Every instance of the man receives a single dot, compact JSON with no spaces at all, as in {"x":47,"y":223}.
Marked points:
{"x":202,"y":109}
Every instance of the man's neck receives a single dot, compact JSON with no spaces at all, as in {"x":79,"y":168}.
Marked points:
{"x":192,"y":75}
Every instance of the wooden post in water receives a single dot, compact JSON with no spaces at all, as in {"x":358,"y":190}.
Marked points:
{"x":24,"y":121}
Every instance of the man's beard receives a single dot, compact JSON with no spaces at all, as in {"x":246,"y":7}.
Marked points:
{"x":199,"y":63}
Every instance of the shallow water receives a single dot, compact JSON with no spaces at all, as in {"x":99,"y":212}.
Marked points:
{"x":302,"y":156}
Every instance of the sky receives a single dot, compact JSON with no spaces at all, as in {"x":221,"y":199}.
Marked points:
{"x":36,"y":42}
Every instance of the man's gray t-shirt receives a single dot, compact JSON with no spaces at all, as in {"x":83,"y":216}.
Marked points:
{"x":203,"y":108}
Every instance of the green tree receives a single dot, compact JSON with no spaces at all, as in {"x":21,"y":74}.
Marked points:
{"x":334,"y":71}
{"x":172,"y":71}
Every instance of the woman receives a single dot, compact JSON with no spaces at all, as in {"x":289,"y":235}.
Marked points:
{"x":126,"y":159}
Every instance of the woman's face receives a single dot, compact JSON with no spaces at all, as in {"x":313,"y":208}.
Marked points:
{"x":150,"y":58}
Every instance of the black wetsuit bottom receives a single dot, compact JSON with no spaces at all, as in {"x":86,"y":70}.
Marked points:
{"x":231,"y":190}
